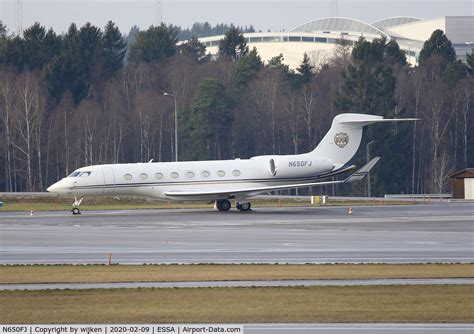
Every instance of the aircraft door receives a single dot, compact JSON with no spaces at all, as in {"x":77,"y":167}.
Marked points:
{"x":109,"y":180}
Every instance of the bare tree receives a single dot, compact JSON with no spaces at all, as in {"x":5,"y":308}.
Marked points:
{"x":25,"y":123}
{"x":418,"y":83}
{"x":308,"y":99}
{"x":342,"y":53}
{"x":7,"y":101}
{"x":467,"y":89}
{"x":292,"y":113}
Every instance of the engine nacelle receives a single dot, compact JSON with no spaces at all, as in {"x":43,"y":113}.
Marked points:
{"x":302,"y":165}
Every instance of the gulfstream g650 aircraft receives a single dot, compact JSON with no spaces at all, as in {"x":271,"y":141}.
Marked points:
{"x":238,"y":179}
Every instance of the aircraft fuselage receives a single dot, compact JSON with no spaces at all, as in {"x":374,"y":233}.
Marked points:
{"x":155,"y":179}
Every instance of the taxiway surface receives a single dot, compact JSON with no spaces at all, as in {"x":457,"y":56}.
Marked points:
{"x":371,"y":234}
{"x":239,"y":284}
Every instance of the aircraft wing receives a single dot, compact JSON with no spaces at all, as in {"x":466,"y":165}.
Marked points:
{"x":251,"y":191}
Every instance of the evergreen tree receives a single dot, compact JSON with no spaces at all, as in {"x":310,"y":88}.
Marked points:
{"x":52,"y":45}
{"x":207,"y":123}
{"x":91,"y":59}
{"x":305,"y":70}
{"x":233,"y":45}
{"x":195,"y":49}
{"x":368,"y":83}
{"x":61,"y":73}
{"x":247,"y":67}
{"x":393,"y":53}
{"x":40,"y":46}
{"x":154,"y":45}
{"x":80,"y":63}
{"x":3,"y":30}
{"x":369,"y":87}
{"x":277,"y":61}
{"x":437,"y":45}
{"x":33,"y":43}
{"x":114,"y":49}
{"x":3,"y":42}
{"x":130,"y":40}
{"x":455,"y":71}
{"x":14,"y":54}
{"x":470,"y":63}
{"x":287,"y":74}
{"x":206,"y":29}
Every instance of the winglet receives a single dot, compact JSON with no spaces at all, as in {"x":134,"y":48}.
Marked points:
{"x":362,"y":172}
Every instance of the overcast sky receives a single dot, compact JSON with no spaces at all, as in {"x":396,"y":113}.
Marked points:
{"x":275,"y":15}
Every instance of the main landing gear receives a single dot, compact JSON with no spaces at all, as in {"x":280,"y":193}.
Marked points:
{"x":244,"y":206}
{"x":75,"y":206}
{"x":224,"y":205}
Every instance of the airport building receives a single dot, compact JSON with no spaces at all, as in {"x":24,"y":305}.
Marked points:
{"x":319,"y":37}
{"x":463,"y":184}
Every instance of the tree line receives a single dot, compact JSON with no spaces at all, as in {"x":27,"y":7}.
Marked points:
{"x":93,"y":96}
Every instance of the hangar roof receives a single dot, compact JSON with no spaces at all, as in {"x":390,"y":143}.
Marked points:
{"x":339,"y":24}
{"x":395,"y":21}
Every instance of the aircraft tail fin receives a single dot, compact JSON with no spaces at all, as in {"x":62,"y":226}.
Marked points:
{"x":343,"y":139}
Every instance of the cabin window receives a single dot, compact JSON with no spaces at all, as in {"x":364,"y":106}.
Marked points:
{"x":159,"y":176}
{"x":143,"y":176}
{"x":236,"y":172}
{"x":128,"y":177}
{"x":174,"y":175}
{"x":205,"y":173}
{"x":190,"y":175}
{"x":74,"y":174}
{"x":83,"y":174}
{"x":220,"y":173}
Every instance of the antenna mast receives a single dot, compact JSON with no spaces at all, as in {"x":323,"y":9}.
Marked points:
{"x":159,"y":12}
{"x":19,"y":17}
{"x":333,"y":8}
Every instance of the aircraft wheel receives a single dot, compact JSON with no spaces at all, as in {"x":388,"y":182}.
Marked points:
{"x":223,"y":205}
{"x":244,"y":206}
{"x":76,"y":211}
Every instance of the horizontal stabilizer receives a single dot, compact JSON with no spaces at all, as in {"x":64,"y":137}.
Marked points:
{"x":380,"y":120}
{"x":362,"y":173}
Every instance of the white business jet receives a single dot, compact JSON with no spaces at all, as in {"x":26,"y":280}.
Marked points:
{"x":222,"y":180}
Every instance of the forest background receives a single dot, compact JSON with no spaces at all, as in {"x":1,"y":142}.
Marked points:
{"x":95,"y":96}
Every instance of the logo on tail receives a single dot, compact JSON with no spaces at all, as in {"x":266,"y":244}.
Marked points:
{"x":341,"y":139}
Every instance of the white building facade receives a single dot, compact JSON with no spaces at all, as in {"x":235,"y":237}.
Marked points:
{"x":319,"y":38}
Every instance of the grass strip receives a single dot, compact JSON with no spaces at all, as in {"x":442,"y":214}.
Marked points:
{"x":218,"y":272}
{"x":364,"y":304}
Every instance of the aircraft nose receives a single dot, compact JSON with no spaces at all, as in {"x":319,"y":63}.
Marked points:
{"x":52,"y":188}
{"x":58,"y":187}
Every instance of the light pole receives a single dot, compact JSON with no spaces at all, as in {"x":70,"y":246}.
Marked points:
{"x":175,"y":125}
{"x":368,"y":173}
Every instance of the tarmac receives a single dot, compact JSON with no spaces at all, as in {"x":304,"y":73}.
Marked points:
{"x":435,"y":233}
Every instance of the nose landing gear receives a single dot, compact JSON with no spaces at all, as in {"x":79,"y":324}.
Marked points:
{"x":75,"y":206}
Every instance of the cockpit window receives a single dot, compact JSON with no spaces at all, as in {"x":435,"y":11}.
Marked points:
{"x":74,"y":174}
{"x":85,"y":174}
